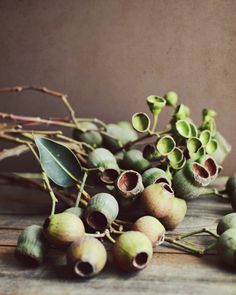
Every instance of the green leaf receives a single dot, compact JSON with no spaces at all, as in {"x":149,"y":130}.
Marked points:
{"x":58,"y":162}
{"x":141,"y":122}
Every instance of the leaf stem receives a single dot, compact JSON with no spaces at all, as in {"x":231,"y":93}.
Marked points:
{"x":191,"y":248}
{"x":81,"y":189}
{"x":49,"y":188}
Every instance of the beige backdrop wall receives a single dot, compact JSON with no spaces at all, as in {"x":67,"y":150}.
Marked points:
{"x":109,"y":55}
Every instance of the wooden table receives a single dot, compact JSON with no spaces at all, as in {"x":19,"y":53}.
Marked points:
{"x":170,"y":272}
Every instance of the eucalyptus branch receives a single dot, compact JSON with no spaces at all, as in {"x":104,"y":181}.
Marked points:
{"x":81,"y":189}
{"x":80,"y":143}
{"x":188,"y":247}
{"x":15,"y":151}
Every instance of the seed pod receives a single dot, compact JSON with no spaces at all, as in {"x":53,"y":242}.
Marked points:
{"x":101,"y":211}
{"x":141,"y":122}
{"x":89,"y":135}
{"x":155,"y":175}
{"x":157,"y":199}
{"x":227,"y":222}
{"x":226,"y":247}
{"x":176,"y":214}
{"x":223,"y":148}
{"x":171,"y":98}
{"x":75,"y":210}
{"x":31,"y":245}
{"x":232,"y":198}
{"x":134,"y":160}
{"x":210,"y":165}
{"x":156,"y":104}
{"x":132,"y":251}
{"x":181,"y":112}
{"x":150,"y":153}
{"x":231,"y":184}
{"x":165,"y":145}
{"x":87,"y":257}
{"x":63,"y":228}
{"x":151,"y":227}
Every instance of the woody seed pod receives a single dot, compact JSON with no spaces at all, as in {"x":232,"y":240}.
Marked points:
{"x":89,"y":135}
{"x":151,"y":227}
{"x":87,"y":257}
{"x":132,"y":251}
{"x":101,"y":211}
{"x":227,"y":222}
{"x":210,"y":165}
{"x":31,"y":245}
{"x":176,"y":214}
{"x":226,"y":247}
{"x":155,"y":175}
{"x":63,"y":228}
{"x":157,"y":199}
{"x":134,"y":160}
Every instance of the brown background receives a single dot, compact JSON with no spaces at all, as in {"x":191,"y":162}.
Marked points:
{"x":110,"y":55}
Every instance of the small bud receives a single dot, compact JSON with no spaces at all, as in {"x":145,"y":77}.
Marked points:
{"x":75,"y":210}
{"x":63,"y":228}
{"x":157,"y":199}
{"x":31,"y":245}
{"x":171,"y":98}
{"x":89,"y":135}
{"x":87,"y":257}
{"x":156,"y":104}
{"x":134,"y":160}
{"x":227,"y":222}
{"x":132,"y":251}
{"x":176,"y":214}
{"x":155,"y":175}
{"x":101,"y":211}
{"x":151,"y":227}
{"x":226,"y":247}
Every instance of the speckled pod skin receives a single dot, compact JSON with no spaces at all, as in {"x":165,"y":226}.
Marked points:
{"x":31,"y":245}
{"x":128,"y":188}
{"x":155,"y":175}
{"x":224,"y":148}
{"x":87,"y":257}
{"x":75,"y":210}
{"x":132,"y":251}
{"x":176,"y":214}
{"x":151,"y":227}
{"x":157,"y":199}
{"x":92,"y":137}
{"x":101,"y":211}
{"x":227,"y":222}
{"x":226,"y":247}
{"x":63,"y":228}
{"x":134,"y":160}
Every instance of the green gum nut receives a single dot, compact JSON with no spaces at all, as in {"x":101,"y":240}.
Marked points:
{"x":150,"y":153}
{"x":179,"y":165}
{"x":193,"y":130}
{"x":176,"y":214}
{"x":134,"y":160}
{"x":156,"y":104}
{"x":151,"y":227}
{"x":183,"y":128}
{"x":87,"y":257}
{"x":181,"y":112}
{"x":128,"y":188}
{"x":223,"y":148}
{"x":141,"y":122}
{"x":132,"y":251}
{"x":128,"y":134}
{"x":104,"y":160}
{"x":165,"y":145}
{"x":157,"y":199}
{"x":226,"y":247}
{"x":194,"y":146}
{"x":175,"y":156}
{"x":205,"y":137}
{"x":75,"y":210}
{"x":227,"y":222}
{"x":87,"y":133}
{"x":210,"y":165}
{"x":31,"y":245}
{"x":171,"y":98}
{"x":63,"y":228}
{"x":101,"y":211}
{"x":155,"y":175}
{"x":231,"y":190}
{"x":212,"y":147}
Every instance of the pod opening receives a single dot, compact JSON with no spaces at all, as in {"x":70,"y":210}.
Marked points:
{"x":109,"y":175}
{"x":128,"y":181}
{"x":83,"y":268}
{"x":168,"y":188}
{"x":200,"y":171}
{"x":211,"y":166}
{"x":140,"y":260}
{"x":161,"y":180}
{"x":97,"y":220}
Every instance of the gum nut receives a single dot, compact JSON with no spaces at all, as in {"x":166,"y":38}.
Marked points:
{"x":63,"y":228}
{"x":232,"y":199}
{"x":151,"y":227}
{"x":132,"y":251}
{"x":176,"y":214}
{"x":75,"y":210}
{"x":226,"y":247}
{"x":157,"y":199}
{"x":87,"y":256}
{"x":231,"y":184}
{"x":31,"y":245}
{"x":227,"y":222}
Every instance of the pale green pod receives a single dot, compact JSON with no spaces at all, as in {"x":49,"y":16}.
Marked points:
{"x":227,"y":222}
{"x":141,"y":122}
{"x":183,"y":128}
{"x":210,"y":165}
{"x":226,"y":247}
{"x":151,"y":153}
{"x":101,"y":211}
{"x":193,"y":145}
{"x":151,"y":227}
{"x":128,"y":188}
{"x":212,"y":147}
{"x":87,"y":257}
{"x":132,"y":251}
{"x":31,"y":245}
{"x":155,"y":175}
{"x":134,"y":160}
{"x":156,"y":104}
{"x":205,"y":137}
{"x":171,"y":98}
{"x":129,"y":134}
{"x":75,"y":210}
{"x":165,"y":145}
{"x":87,"y":133}
{"x":193,"y":130}
{"x":223,"y":148}
{"x":179,"y":165}
{"x":175,"y":156}
{"x":176,"y":214}
{"x":181,"y":112}
{"x":63,"y":228}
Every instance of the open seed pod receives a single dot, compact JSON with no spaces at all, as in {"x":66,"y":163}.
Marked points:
{"x":165,"y":145}
{"x":87,"y":257}
{"x":181,"y":112}
{"x":89,"y":135}
{"x":132,"y":251}
{"x":226,"y":247}
{"x":31,"y":245}
{"x":227,"y":222}
{"x":101,"y":211}
{"x":134,"y":160}
{"x":75,"y":210}
{"x":151,"y":227}
{"x":171,"y":98}
{"x":212,"y":147}
{"x":157,"y":199}
{"x":156,"y":104}
{"x":176,"y":214}
{"x":211,"y":166}
{"x":63,"y":228}
{"x":183,"y":128}
{"x":176,"y":158}
{"x":155,"y":175}
{"x":205,"y":137}
{"x":141,"y":122}
{"x":128,"y":187}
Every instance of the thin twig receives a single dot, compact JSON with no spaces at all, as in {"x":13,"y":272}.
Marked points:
{"x":81,"y":189}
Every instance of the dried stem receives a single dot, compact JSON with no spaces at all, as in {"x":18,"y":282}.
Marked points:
{"x":15,"y":151}
{"x":50,"y":190}
{"x":81,"y":189}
